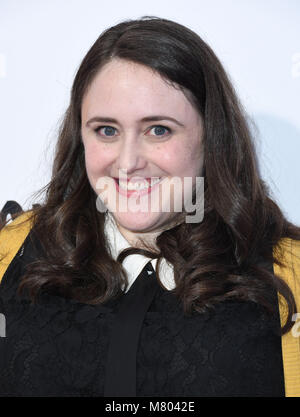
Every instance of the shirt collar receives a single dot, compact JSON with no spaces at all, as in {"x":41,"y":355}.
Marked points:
{"x":134,"y":264}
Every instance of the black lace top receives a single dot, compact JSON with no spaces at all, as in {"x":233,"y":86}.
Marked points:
{"x":60,"y":347}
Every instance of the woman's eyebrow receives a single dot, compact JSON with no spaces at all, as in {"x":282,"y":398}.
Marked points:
{"x":144,"y":119}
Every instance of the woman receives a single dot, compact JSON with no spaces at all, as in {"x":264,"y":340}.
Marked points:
{"x":190,"y":308}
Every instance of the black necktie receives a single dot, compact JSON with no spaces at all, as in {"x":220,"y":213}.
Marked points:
{"x":120,"y":375}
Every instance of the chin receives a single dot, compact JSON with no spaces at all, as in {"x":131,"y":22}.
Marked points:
{"x":137,"y":222}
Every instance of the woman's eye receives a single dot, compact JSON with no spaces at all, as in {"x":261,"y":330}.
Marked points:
{"x":160,"y":130}
{"x":106,"y":130}
{"x":109,"y":131}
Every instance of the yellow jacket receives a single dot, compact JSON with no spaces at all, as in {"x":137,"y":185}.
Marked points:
{"x":288,"y":251}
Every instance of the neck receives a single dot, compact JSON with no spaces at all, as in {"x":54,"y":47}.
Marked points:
{"x":146,"y":240}
{"x":140,"y":240}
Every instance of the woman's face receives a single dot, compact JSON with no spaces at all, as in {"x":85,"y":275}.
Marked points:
{"x":135,"y":124}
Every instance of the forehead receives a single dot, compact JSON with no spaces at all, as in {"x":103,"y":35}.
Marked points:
{"x":128,"y":87}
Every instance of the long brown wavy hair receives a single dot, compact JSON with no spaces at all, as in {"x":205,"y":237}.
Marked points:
{"x":224,"y":256}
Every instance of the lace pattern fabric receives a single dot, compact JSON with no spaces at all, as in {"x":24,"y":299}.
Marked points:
{"x":59,"y":347}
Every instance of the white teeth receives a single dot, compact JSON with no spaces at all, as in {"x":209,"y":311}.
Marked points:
{"x":133,"y":186}
{"x":138,"y":185}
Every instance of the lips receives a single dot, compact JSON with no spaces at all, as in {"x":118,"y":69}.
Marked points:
{"x":137,"y":183}
{"x":136,"y":179}
{"x":136,"y":186}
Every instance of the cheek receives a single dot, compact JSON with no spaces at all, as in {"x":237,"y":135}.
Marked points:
{"x":192,"y":156}
{"x":181,"y":160}
{"x":96,"y":159}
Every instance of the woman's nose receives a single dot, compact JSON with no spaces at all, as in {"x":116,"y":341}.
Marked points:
{"x":131,"y":156}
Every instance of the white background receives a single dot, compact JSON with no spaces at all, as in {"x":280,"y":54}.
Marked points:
{"x":42,"y":43}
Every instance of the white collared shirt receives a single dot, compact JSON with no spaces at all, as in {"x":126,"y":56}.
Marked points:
{"x":134,"y":264}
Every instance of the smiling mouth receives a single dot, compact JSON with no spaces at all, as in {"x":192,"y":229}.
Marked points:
{"x":137,"y":185}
